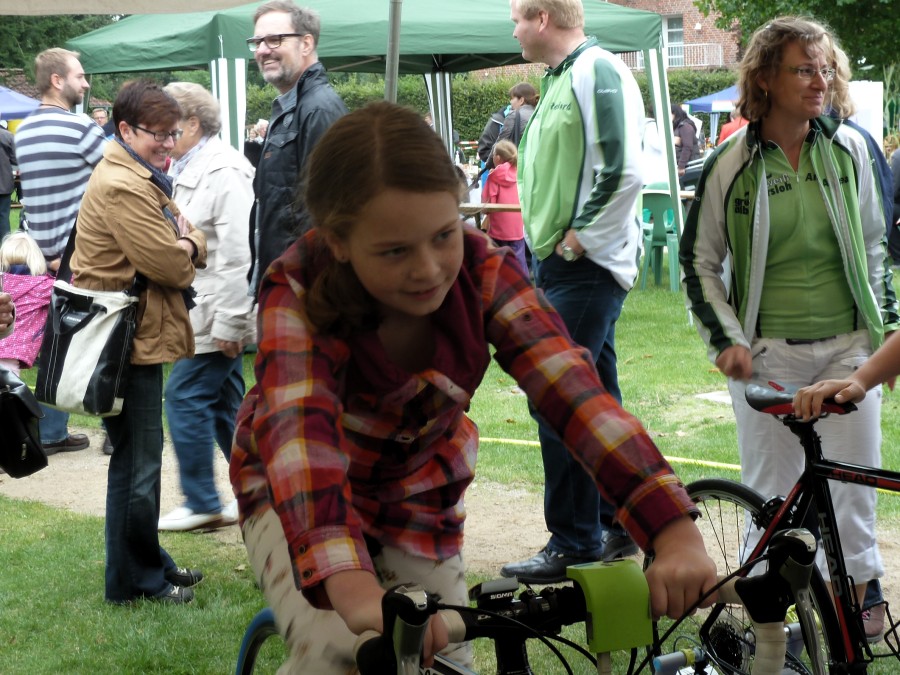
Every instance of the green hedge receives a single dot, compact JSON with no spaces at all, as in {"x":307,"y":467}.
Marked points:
{"x":475,"y":98}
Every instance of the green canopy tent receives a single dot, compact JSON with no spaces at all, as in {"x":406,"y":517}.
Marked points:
{"x":111,"y":7}
{"x":436,"y":38}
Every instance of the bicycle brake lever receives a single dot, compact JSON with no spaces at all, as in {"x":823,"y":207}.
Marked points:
{"x":791,"y":555}
{"x":405,"y":611}
{"x":405,"y":614}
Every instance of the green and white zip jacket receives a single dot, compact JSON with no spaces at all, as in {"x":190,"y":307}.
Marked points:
{"x":579,"y":161}
{"x":731,"y":216}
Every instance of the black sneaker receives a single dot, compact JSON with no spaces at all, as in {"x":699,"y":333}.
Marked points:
{"x":547,"y":567}
{"x":182,"y":576}
{"x":618,"y":545}
{"x":176,"y":595}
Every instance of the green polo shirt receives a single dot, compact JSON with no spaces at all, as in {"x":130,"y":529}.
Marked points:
{"x":805,"y":294}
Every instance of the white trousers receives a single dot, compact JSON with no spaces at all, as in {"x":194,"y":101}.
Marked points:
{"x":319,"y":642}
{"x":771,"y":456}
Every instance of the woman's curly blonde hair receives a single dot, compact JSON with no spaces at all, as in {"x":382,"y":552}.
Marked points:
{"x":764,"y":54}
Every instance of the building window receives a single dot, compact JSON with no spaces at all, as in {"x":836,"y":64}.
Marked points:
{"x":673,"y":34}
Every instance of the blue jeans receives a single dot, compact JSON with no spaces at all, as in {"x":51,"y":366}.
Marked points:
{"x":136,"y":564}
{"x":589,"y":300}
{"x":202,"y":398}
{"x":874,"y":595}
{"x":54,"y":425}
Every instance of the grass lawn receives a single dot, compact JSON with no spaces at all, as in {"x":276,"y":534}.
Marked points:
{"x":54,"y":620}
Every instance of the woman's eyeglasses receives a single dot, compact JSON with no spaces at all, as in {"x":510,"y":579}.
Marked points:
{"x":807,"y":73}
{"x":272,"y":41}
{"x":160,"y":136}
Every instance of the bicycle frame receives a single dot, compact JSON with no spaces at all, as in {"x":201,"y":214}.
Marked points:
{"x":810,"y":497}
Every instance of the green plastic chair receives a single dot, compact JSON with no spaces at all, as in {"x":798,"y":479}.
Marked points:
{"x":660,"y":232}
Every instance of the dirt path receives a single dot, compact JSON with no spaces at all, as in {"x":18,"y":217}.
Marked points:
{"x":503,"y":524}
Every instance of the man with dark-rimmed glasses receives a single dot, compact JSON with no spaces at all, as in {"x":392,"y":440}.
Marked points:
{"x":284,"y":44}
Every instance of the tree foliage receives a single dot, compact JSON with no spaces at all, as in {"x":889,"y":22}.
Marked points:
{"x":867,"y":29}
{"x":24,"y":37}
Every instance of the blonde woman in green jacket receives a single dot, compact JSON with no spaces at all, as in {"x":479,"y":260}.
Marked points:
{"x":792,"y":200}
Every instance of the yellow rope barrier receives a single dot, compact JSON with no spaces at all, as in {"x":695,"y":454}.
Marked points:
{"x":671,"y":460}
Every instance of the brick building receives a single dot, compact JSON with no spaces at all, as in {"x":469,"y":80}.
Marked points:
{"x":690,"y":39}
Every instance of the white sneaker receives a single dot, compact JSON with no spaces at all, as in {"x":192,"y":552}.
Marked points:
{"x":184,"y":519}
{"x":230,"y":513}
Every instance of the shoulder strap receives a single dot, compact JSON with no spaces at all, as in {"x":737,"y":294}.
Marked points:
{"x":64,"y":273}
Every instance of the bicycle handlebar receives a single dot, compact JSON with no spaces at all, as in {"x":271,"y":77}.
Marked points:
{"x":548,"y":611}
{"x":766,"y":598}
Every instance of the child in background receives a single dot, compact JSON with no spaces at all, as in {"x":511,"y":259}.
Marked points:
{"x":25,"y":278}
{"x":504,"y":227}
{"x":353,"y":451}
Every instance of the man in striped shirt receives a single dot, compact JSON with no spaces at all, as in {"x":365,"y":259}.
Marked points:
{"x":56,"y":150}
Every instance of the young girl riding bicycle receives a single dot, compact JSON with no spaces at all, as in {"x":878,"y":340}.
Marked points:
{"x":353,"y":450}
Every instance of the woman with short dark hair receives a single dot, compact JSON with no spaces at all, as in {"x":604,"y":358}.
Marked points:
{"x":128,"y":228}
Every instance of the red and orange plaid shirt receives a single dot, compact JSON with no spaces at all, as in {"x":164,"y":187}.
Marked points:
{"x":342,"y":443}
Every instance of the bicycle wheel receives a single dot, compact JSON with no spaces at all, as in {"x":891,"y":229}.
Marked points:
{"x":728,"y":513}
{"x":261,"y":628}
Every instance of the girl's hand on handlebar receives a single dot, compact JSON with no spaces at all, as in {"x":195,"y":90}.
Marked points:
{"x":356,"y":597}
{"x":681,"y":571}
{"x":808,"y":400}
{"x":435,"y":639}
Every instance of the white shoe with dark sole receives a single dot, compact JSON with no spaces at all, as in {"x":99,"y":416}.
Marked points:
{"x":184,"y":519}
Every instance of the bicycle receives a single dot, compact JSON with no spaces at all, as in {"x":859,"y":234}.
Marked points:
{"x":731,"y":510}
{"x":611,"y":599}
{"x":821,"y":637}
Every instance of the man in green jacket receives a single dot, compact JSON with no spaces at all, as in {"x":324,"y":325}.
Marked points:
{"x":579,"y":184}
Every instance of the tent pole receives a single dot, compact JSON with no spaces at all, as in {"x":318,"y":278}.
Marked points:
{"x":655,"y":60}
{"x":229,"y":86}
{"x":438,"y":86}
{"x":392,"y":56}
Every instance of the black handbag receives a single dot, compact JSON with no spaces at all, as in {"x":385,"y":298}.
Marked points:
{"x":21,"y":452}
{"x":85,"y":356}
